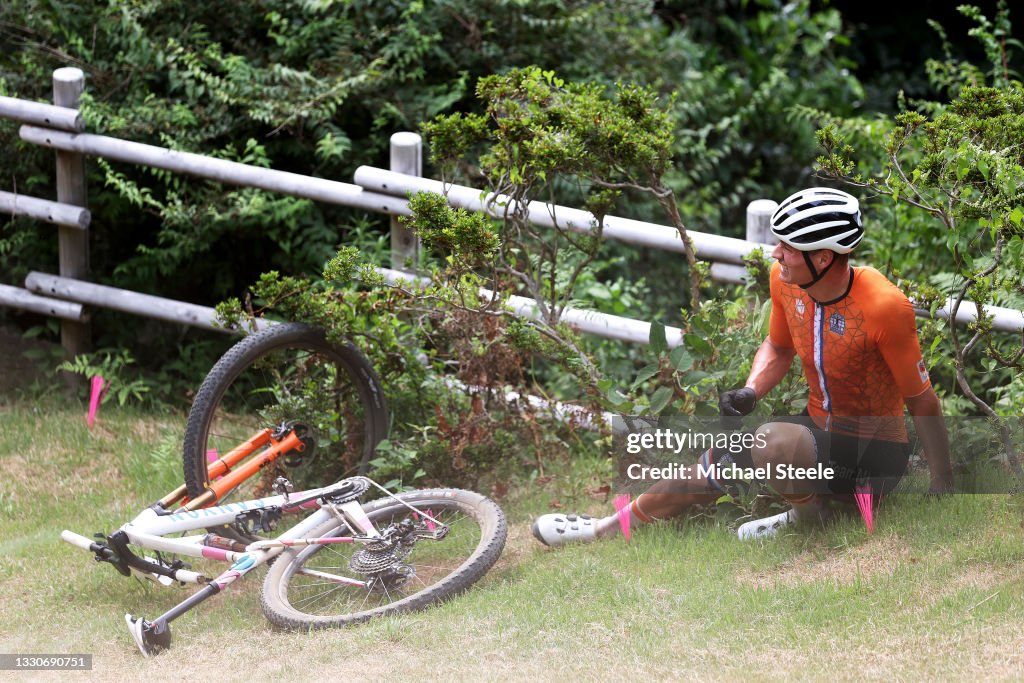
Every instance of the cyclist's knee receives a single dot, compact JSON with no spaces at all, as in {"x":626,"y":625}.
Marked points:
{"x":783,"y":443}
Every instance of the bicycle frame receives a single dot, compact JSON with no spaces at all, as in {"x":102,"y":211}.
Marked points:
{"x":150,"y":527}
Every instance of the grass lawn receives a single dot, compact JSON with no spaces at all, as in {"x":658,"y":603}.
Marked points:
{"x":937,"y":592}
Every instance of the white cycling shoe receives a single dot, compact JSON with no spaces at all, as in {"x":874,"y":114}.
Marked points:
{"x":558,"y":529}
{"x":767,"y":527}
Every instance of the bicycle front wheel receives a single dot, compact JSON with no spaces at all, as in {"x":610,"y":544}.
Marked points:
{"x":287,"y":373}
{"x":302,"y":589}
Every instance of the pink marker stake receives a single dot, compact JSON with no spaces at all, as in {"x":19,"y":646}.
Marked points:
{"x":865,"y":502}
{"x":211,"y":457}
{"x":98,"y":390}
{"x":621,"y":504}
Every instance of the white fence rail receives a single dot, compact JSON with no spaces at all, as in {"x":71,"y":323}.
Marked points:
{"x":707,"y":247}
{"x":126,"y":301}
{"x":49,"y":115}
{"x":590,"y":322}
{"x":220,"y":170}
{"x":377,"y":190}
{"x":25,"y":300}
{"x":44,"y":210}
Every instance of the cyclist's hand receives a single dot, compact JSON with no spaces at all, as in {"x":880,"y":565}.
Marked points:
{"x":735,"y":404}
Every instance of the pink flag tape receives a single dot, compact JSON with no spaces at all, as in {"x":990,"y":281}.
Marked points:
{"x":621,"y":504}
{"x":866,"y":504}
{"x":98,"y":389}
{"x":212,"y":456}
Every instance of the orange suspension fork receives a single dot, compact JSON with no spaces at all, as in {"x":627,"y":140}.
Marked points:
{"x":221,"y":465}
{"x":230,"y":478}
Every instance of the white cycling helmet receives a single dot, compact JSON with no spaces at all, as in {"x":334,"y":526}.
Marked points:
{"x":819,"y":218}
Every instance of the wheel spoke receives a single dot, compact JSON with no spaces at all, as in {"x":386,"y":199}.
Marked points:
{"x":332,"y":578}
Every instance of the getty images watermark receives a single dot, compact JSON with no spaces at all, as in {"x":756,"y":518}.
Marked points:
{"x":667,"y":440}
{"x":648,"y":450}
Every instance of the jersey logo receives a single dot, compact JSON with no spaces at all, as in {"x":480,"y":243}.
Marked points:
{"x":837,"y":323}
{"x":800,"y":308}
{"x":922,"y":371}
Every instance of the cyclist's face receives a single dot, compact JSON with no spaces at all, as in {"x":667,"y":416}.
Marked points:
{"x":794,"y":267}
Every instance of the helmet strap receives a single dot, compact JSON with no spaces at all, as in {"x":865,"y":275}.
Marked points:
{"x":815,"y":275}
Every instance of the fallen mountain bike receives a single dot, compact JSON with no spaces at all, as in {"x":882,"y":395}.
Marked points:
{"x":286,"y":401}
{"x":344,"y":562}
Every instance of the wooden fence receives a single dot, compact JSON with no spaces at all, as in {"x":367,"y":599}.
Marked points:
{"x":68,"y":295}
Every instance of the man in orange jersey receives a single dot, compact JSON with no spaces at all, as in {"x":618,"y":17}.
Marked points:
{"x":856,"y":337}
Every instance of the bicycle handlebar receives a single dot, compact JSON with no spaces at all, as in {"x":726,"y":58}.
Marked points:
{"x":79,"y":541}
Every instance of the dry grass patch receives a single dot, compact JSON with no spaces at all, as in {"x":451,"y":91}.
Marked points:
{"x":34,"y":472}
{"x":875,"y":557}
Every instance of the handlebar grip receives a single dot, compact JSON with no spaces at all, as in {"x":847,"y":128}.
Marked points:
{"x":78,"y":540}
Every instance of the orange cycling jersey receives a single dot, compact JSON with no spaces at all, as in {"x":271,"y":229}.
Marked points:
{"x":860,"y":353}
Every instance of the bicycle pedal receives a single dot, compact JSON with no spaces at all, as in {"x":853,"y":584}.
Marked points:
{"x":282,"y":486}
{"x":260,"y":520}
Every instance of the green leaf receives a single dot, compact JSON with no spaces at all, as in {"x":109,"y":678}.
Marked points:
{"x":615,"y":397}
{"x":952,"y":240}
{"x":660,"y":399}
{"x":698,"y":345}
{"x":695,"y":377}
{"x":706,"y":409}
{"x":702,"y":324}
{"x":681,"y":358}
{"x":657,"y":338}
{"x":645,"y":374}
{"x":963,"y":167}
{"x":1016,"y":216}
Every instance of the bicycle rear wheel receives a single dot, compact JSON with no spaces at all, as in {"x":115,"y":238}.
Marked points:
{"x":287,"y":372}
{"x":299,"y":593}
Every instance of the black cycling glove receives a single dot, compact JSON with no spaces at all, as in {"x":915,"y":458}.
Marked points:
{"x":735,"y":404}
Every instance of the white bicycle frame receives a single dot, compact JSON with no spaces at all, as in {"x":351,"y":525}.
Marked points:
{"x":150,"y":528}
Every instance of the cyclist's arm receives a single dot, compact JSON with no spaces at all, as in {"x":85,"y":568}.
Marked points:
{"x":771,"y":363}
{"x":898,"y":342}
{"x":931,"y":430}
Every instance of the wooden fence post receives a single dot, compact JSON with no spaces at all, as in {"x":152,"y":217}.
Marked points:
{"x":759,"y":217}
{"x":407,"y":158}
{"x":73,"y":243}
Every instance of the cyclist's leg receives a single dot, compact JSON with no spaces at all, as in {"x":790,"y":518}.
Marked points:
{"x":665,"y":499}
{"x":795,"y":443}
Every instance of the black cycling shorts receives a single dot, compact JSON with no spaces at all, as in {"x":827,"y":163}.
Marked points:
{"x":857,"y":461}
{"x":854,"y":461}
